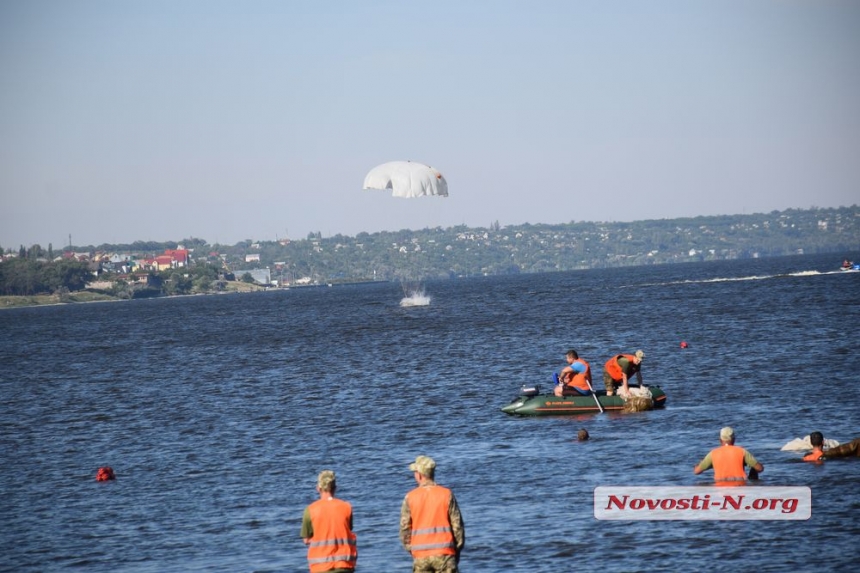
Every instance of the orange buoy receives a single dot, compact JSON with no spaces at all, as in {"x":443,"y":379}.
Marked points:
{"x":683,"y":344}
{"x":105,"y":474}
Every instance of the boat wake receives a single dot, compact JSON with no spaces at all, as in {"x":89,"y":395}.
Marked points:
{"x":737,"y":279}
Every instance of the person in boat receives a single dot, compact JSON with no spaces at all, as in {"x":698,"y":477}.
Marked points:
{"x":847,"y":450}
{"x":431,"y":526}
{"x":728,"y":461}
{"x":575,"y":378}
{"x":846,"y":264}
{"x":327,"y":530}
{"x":619,"y":369}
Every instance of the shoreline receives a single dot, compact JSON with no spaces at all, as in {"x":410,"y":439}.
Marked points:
{"x":86,"y":296}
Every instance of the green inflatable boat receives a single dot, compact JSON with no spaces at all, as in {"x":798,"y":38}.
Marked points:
{"x":531,"y":402}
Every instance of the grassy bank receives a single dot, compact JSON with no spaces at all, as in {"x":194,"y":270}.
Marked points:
{"x":40,"y":300}
{"x":90,"y":296}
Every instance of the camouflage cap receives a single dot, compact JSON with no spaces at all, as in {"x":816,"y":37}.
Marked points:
{"x":326,"y":480}
{"x":423,"y":465}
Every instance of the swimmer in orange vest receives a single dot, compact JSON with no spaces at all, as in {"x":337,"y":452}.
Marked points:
{"x":728,"y":461}
{"x":848,"y":450}
{"x":817,"y":453}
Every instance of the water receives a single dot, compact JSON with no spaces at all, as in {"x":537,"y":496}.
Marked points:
{"x":217,"y":412}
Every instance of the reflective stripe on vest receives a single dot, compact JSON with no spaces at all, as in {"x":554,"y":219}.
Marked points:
{"x":728,"y":463}
{"x":431,"y":528}
{"x":614,"y":369}
{"x":333,"y":545}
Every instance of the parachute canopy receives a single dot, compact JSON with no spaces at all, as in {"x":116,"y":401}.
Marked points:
{"x":407,"y":179}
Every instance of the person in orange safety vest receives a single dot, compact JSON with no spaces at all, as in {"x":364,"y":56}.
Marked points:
{"x":620,"y":368}
{"x":847,"y":450}
{"x":431,"y":526}
{"x":575,"y":378}
{"x":817,"y":441}
{"x":728,"y":461}
{"x":327,"y":530}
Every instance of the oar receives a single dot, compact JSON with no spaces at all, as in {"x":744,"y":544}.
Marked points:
{"x":594,"y":395}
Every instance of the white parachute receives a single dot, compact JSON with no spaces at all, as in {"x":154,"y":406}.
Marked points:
{"x":802,"y":444}
{"x":407,"y":179}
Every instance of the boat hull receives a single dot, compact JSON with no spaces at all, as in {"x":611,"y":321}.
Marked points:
{"x":532,"y":403}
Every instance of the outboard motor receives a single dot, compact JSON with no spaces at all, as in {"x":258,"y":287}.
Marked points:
{"x":530,"y":390}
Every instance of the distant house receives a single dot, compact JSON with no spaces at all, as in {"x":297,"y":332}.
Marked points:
{"x":163,"y":262}
{"x":80,"y":256}
{"x":260,"y":276}
{"x":179,"y":257}
{"x":116,"y":263}
{"x":252,"y":258}
{"x":171,"y":259}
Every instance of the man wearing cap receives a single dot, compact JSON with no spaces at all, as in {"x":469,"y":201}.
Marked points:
{"x":327,"y":530}
{"x":620,"y":368}
{"x":431,"y":527}
{"x":728,"y":461}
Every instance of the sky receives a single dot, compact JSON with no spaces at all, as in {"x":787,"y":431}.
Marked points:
{"x":158,"y":120}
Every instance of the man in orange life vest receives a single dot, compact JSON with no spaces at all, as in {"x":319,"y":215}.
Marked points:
{"x":574,"y":378}
{"x":728,"y":461}
{"x":327,"y":530}
{"x":620,"y":368}
{"x":849,"y":450}
{"x":817,"y":453}
{"x":431,"y":527}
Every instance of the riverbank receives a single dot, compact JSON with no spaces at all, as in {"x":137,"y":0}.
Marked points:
{"x":86,"y":296}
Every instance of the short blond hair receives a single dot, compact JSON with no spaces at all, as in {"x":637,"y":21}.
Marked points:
{"x":326,"y":481}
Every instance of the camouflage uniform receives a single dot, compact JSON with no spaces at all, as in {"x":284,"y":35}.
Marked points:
{"x":849,"y":450}
{"x":435,"y":563}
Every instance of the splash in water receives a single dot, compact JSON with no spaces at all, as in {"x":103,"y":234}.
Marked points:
{"x":415,"y":298}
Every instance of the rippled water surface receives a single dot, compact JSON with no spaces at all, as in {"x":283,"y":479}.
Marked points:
{"x":217,"y":412}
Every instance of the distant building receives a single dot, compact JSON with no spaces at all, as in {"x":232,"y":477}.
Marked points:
{"x":261,"y":276}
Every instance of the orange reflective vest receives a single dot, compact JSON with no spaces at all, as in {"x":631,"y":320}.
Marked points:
{"x":729,"y":464}
{"x":333,"y":545}
{"x":581,"y":379}
{"x":431,"y":527}
{"x":614,"y":369}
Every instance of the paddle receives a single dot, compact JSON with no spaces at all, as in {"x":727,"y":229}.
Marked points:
{"x":595,"y":395}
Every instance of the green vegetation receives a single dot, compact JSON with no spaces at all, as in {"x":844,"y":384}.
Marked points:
{"x":25,"y":276}
{"x":433,"y":253}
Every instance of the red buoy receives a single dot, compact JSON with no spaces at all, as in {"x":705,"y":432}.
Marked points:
{"x":683,"y":344}
{"x":105,"y":474}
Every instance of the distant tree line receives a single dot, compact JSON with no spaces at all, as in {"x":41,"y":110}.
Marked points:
{"x":25,"y":277}
{"x":465,"y":251}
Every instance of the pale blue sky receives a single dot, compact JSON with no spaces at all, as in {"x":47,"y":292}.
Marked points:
{"x":162,"y":120}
